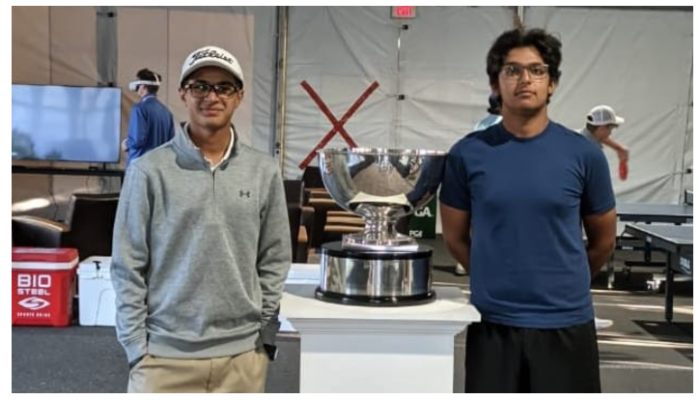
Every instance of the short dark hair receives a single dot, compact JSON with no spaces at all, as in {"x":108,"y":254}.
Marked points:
{"x":547,"y":45}
{"x":146,"y":74}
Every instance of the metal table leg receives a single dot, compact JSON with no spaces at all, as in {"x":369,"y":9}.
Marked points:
{"x":669,"y":285}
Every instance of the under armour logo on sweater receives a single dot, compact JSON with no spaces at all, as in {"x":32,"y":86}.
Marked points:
{"x":246,"y":193}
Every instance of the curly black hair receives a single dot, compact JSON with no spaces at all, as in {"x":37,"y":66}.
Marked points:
{"x":146,"y":74}
{"x":547,"y":45}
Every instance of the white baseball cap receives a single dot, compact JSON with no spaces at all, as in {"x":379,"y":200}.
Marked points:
{"x":603,"y":115}
{"x":211,"y":56}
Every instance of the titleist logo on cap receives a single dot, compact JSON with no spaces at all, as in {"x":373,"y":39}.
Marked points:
{"x":210,"y":53}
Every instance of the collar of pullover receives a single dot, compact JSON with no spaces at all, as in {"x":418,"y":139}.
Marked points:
{"x":189,"y":157}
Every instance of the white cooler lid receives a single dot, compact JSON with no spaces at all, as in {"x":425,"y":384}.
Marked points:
{"x":88,"y":267}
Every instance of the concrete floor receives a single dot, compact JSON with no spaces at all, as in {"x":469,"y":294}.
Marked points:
{"x":640,"y":353}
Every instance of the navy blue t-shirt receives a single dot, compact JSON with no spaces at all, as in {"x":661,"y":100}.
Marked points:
{"x":526,"y":198}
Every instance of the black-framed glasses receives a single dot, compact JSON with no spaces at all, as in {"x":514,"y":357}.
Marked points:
{"x":515,"y":71}
{"x":201,"y":90}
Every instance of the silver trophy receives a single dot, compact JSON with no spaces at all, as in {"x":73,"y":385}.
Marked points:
{"x":378,"y":266}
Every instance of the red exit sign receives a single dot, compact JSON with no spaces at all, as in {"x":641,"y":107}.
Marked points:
{"x":403,"y":12}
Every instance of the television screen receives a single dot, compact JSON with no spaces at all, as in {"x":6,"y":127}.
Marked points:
{"x":62,"y":123}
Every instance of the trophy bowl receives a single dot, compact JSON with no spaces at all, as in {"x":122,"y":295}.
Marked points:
{"x":379,"y":266}
{"x":381,"y":186}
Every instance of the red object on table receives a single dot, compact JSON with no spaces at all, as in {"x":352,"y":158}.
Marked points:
{"x":623,"y":170}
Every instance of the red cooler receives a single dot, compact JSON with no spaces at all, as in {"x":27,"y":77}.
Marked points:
{"x":43,"y":285}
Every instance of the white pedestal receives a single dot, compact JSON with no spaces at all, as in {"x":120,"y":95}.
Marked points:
{"x":376,"y":349}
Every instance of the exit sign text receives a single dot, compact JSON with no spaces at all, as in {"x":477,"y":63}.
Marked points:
{"x":403,"y":12}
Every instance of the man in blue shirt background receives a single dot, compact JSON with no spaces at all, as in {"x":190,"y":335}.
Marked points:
{"x":150,"y":123}
{"x":513,"y":200}
{"x":494,"y":116}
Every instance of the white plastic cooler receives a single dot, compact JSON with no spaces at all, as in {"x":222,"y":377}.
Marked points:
{"x":95,"y":292}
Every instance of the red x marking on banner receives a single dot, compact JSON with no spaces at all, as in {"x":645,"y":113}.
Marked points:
{"x":337,"y":125}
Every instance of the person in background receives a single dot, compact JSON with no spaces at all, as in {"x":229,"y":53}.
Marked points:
{"x":494,"y":116}
{"x":150,"y":123}
{"x":513,"y":199}
{"x":600,"y":122}
{"x":201,"y":247}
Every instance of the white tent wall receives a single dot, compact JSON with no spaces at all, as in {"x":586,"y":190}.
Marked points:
{"x":431,"y":74}
{"x":610,"y":56}
{"x":57,"y":45}
{"x":339,"y":52}
{"x":432,"y":84}
{"x":638,"y":61}
{"x":687,"y":177}
{"x":442,"y":73}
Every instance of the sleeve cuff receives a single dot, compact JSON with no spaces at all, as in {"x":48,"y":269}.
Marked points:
{"x":135,"y":350}
{"x":268,"y":331}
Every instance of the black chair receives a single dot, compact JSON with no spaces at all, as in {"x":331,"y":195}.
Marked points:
{"x":300,"y":219}
{"x":294,"y":212}
{"x":312,"y":177}
{"x":312,"y":181}
{"x":294,"y":190}
{"x":88,"y":228}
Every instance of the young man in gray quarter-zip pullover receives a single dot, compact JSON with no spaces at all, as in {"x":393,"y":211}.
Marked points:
{"x":201,"y":247}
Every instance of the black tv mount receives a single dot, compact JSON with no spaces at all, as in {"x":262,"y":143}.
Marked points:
{"x":90,"y":171}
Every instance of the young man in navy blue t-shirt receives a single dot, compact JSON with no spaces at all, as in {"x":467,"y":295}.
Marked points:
{"x":513,"y":200}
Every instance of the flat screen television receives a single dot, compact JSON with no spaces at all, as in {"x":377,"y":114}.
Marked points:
{"x":66,"y":123}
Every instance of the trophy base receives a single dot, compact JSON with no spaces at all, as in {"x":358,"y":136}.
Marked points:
{"x":374,"y":301}
{"x":375,"y":278}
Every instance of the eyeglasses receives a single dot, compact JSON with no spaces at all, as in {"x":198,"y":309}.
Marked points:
{"x":201,"y":90}
{"x":515,"y":71}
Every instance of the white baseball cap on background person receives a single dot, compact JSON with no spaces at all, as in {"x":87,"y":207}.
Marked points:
{"x":603,"y":115}
{"x":211,"y":56}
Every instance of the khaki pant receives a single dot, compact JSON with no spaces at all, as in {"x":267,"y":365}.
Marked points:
{"x":244,"y":373}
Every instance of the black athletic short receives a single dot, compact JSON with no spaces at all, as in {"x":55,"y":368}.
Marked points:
{"x":504,"y":359}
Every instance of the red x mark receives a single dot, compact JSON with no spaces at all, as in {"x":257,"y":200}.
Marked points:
{"x":337,"y":125}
